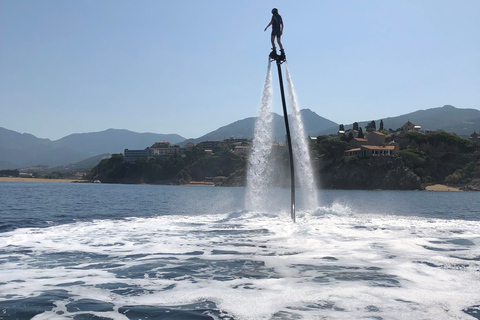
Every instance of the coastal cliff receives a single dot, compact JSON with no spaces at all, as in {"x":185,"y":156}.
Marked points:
{"x":423,"y":160}
{"x":368,"y":175}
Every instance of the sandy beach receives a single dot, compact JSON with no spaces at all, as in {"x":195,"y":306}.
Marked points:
{"x":201,"y":184}
{"x":440,"y":187}
{"x":13,"y":179}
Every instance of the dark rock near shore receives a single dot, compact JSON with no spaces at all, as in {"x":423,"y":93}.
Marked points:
{"x":368,"y":175}
{"x":474,"y":185}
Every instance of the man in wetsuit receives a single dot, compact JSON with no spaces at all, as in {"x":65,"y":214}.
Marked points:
{"x":277,"y":31}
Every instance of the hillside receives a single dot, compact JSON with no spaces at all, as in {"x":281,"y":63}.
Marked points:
{"x":448,"y":118}
{"x":113,"y":141}
{"x":244,"y":129}
{"x":19,"y":150}
{"x":422,"y":159}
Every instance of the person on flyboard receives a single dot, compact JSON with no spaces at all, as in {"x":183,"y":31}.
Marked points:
{"x":277,"y":31}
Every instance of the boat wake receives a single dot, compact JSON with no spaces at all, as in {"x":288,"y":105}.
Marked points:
{"x":331,"y":264}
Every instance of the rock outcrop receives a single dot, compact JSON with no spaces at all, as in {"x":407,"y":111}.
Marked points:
{"x":368,"y":175}
{"x":473,"y":185}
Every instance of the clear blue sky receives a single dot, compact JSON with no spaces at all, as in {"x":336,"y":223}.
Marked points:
{"x":189,"y":67}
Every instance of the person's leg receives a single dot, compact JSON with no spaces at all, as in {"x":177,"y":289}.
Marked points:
{"x":273,"y":41}
{"x":279,"y":43}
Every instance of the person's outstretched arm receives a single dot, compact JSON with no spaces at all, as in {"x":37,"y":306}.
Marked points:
{"x":268,"y":26}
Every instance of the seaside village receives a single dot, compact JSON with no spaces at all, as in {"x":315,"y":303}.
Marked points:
{"x":372,"y":146}
{"x":367,"y":146}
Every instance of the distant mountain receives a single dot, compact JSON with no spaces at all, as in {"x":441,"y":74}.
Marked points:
{"x":19,"y":150}
{"x":89,"y":163}
{"x":113,"y":141}
{"x":448,"y":118}
{"x":244,"y":129}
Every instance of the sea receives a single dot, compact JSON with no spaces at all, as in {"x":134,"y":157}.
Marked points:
{"x":104,"y":251}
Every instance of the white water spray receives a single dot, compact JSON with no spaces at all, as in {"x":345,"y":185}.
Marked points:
{"x":301,"y":152}
{"x":258,"y":172}
{"x":260,"y":167}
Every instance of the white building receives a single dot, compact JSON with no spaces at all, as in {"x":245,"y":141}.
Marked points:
{"x":133,"y":155}
{"x":160,"y":149}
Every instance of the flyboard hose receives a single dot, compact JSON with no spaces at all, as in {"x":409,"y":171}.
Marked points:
{"x":280,"y":60}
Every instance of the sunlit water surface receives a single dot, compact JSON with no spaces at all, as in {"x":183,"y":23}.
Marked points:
{"x":97,"y":251}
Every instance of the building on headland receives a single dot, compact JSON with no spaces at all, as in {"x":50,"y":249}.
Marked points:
{"x":208,"y":144}
{"x":373,"y":146}
{"x":189,"y":145}
{"x":160,"y":149}
{"x":241,"y":146}
{"x":474,"y":137}
{"x":245,"y":150}
{"x":236,"y":140}
{"x":163,"y":149}
{"x":410,"y":127}
{"x":375,"y":138}
{"x":133,"y":155}
{"x":367,"y":151}
{"x":358,"y":142}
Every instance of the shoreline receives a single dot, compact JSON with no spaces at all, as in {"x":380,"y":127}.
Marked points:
{"x":434,"y":187}
{"x":14,"y":179}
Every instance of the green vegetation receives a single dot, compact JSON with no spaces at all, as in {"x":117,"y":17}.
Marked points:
{"x":331,"y":149}
{"x":465,"y":175}
{"x":435,"y":156}
{"x":43,"y":172}
{"x":416,"y":136}
{"x":439,"y":157}
{"x":460,"y":144}
{"x":412,"y":158}
{"x":418,"y":162}
{"x":371,"y":126}
{"x":351,"y":160}
{"x":9,"y":173}
{"x":115,"y":170}
{"x":360,"y":133}
{"x":196,"y":165}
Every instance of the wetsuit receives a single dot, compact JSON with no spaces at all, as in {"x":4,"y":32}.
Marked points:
{"x":276,"y":23}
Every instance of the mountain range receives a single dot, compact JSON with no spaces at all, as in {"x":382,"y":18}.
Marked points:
{"x":20,"y":150}
{"x":447,"y":118}
{"x":244,"y":129}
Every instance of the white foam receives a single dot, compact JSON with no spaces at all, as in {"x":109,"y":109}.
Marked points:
{"x":334,"y":265}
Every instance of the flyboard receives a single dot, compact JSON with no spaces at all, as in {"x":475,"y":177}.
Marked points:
{"x":281,"y":59}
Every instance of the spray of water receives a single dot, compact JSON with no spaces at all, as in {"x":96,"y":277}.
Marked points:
{"x":259,"y":195}
{"x":258,"y":173}
{"x":301,"y":152}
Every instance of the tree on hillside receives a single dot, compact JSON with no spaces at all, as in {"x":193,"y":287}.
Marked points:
{"x":371,"y":126}
{"x":341,"y":127}
{"x":355,"y":126}
{"x":360,"y":133}
{"x":381,"y":125}
{"x":350,"y":136}
{"x":9,"y":173}
{"x":332,"y":148}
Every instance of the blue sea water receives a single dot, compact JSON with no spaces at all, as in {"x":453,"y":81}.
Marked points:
{"x":100,"y":251}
